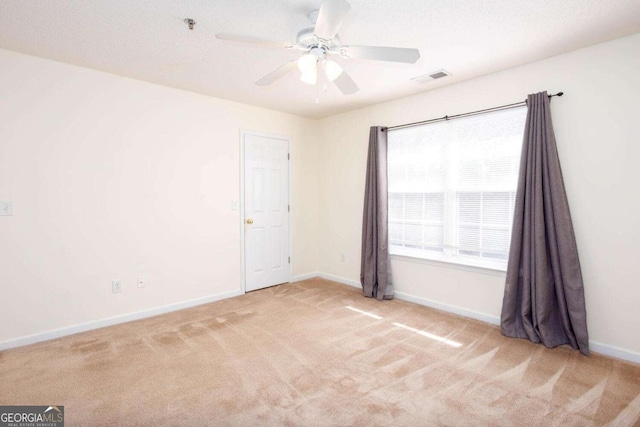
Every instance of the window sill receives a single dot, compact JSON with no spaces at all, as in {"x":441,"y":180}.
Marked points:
{"x":492,"y":271}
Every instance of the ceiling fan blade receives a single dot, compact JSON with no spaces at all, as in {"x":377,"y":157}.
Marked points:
{"x":380,"y":53}
{"x":254,"y":40}
{"x":278,"y":73}
{"x":330,"y":17}
{"x":346,"y":84}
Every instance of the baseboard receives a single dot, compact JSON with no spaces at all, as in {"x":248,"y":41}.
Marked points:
{"x":422,"y":301}
{"x":596,"y":347}
{"x":613,"y":351}
{"x":339,"y":279}
{"x":302,"y":277}
{"x":487,"y":318}
{"x":115,"y":320}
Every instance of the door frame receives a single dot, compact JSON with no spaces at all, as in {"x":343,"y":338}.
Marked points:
{"x":243,"y":132}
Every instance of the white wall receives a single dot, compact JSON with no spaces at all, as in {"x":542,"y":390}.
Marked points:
{"x":112,"y":178}
{"x":597,"y":126}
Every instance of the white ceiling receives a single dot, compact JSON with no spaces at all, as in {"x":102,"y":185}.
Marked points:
{"x":148,"y":40}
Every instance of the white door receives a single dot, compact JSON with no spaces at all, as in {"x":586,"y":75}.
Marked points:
{"x":266,"y":211}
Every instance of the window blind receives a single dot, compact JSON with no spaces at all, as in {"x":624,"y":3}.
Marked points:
{"x":452,"y":188}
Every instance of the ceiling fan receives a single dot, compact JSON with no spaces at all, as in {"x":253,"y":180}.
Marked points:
{"x":321,"y":41}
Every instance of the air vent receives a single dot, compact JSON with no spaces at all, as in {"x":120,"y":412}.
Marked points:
{"x":431,"y":76}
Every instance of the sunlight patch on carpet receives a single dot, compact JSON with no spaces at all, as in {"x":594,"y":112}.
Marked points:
{"x":429,"y":335}
{"x":366,"y":313}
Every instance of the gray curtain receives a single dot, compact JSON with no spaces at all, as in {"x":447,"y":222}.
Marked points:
{"x":374,"y":268}
{"x":544,"y":295}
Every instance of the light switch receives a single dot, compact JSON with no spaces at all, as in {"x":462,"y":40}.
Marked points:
{"x":6,"y":208}
{"x":235,"y":205}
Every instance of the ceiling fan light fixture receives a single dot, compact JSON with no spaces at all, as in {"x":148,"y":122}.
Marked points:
{"x":310,"y":77}
{"x":307,"y":63}
{"x":332,"y":69}
{"x":308,"y":66}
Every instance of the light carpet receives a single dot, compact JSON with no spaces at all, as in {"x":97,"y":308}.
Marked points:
{"x":316,"y":353}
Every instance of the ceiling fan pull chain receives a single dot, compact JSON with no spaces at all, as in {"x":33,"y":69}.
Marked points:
{"x":320,"y":82}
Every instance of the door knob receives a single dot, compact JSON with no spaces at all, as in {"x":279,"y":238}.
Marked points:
{"x":249,"y":221}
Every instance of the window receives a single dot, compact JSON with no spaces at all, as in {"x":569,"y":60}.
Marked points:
{"x":452,"y":187}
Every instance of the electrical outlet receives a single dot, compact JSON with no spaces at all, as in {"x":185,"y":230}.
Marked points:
{"x":142,"y":282}
{"x":116,"y":286}
{"x":343,"y":258}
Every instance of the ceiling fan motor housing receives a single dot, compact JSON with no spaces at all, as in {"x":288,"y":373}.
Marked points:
{"x":309,"y":40}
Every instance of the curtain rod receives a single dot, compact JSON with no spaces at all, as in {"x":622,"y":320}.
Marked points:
{"x":501,"y":107}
